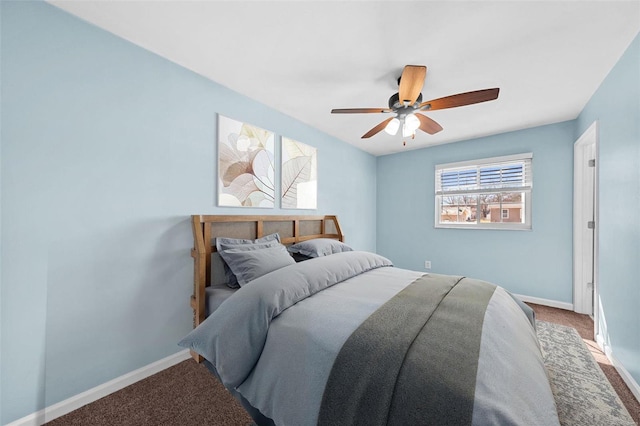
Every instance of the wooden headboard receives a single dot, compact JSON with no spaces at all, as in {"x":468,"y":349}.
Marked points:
{"x":206,"y":228}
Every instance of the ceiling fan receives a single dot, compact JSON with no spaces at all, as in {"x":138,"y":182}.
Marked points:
{"x":407,"y":103}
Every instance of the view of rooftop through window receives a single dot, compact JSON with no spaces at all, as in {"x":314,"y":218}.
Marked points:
{"x":492,"y":192}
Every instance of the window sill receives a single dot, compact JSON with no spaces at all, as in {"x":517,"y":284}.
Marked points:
{"x":514,"y":227}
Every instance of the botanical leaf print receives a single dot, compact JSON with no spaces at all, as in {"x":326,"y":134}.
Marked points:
{"x":234,"y":171}
{"x":229,"y":200}
{"x":226,"y":158}
{"x":299,"y":175}
{"x":245,"y":164}
{"x":241,"y":187}
{"x":293,"y":149}
{"x":259,"y":138}
{"x":297,"y":149}
{"x":258,"y":199}
{"x":294,"y":171}
{"x":263,"y":172}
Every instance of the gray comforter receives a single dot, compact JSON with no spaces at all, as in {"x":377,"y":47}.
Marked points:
{"x":276,"y":339}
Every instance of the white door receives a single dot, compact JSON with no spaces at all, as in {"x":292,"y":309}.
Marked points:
{"x":584,"y":222}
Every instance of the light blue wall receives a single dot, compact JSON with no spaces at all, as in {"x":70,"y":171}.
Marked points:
{"x":1,"y":300}
{"x":106,"y":151}
{"x":534,"y":263}
{"x":616,"y":107}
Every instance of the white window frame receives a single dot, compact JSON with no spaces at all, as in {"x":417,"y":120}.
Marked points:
{"x":526,"y":189}
{"x":505,"y":216}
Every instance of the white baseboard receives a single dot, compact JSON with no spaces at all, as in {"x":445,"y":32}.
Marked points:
{"x":601,"y":345}
{"x":63,"y":407}
{"x":545,"y":302}
{"x":626,"y":376}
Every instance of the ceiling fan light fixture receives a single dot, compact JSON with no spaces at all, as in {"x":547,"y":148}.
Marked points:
{"x":406,"y":132}
{"x":411,"y":124}
{"x":392,"y":127}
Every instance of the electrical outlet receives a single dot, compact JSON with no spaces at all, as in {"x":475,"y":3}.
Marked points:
{"x":427,"y":264}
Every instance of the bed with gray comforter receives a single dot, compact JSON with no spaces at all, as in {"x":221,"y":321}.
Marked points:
{"x":349,"y":339}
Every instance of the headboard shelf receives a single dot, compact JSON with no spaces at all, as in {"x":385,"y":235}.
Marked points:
{"x":206,"y":228}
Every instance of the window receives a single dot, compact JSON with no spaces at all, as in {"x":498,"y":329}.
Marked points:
{"x":491,"y":193}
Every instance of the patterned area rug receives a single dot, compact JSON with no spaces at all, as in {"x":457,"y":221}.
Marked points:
{"x":583,"y":394}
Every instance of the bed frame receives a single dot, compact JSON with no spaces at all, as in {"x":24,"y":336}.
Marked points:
{"x":206,"y":228}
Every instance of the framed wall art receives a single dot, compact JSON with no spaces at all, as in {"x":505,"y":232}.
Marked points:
{"x":246,"y":172}
{"x":299,"y":175}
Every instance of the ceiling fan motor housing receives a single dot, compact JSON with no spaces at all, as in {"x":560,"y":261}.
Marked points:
{"x":401,"y":109}
{"x":394,"y":100}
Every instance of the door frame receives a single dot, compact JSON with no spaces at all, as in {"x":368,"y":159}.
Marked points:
{"x":581,"y":155}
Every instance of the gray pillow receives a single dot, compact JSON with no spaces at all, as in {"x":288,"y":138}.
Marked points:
{"x":319,"y":247}
{"x":227,"y":243}
{"x":247,"y":265}
{"x":223,"y":243}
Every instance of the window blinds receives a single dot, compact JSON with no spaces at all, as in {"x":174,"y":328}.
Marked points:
{"x":500,"y":174}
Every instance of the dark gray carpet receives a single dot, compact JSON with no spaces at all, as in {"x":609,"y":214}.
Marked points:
{"x":187,"y":394}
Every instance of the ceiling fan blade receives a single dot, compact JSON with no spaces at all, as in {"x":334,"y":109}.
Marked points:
{"x":462,"y":99}
{"x":377,"y":129}
{"x":428,"y":125}
{"x":411,"y":83}
{"x":359,"y":110}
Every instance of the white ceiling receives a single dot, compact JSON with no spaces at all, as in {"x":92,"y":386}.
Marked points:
{"x":304,"y":58}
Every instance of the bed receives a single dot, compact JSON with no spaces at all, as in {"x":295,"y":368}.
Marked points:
{"x":344,"y":337}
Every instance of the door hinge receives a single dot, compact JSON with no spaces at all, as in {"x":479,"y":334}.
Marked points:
{"x":591,"y":224}
{"x":592,"y":163}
